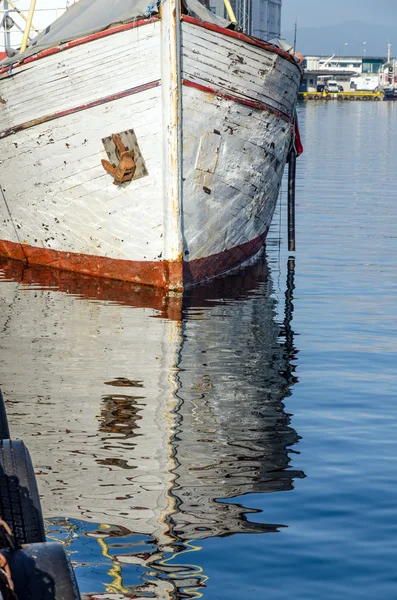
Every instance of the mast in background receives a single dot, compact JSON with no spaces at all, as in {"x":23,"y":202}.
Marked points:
{"x":295,"y":35}
{"x":7,"y":42}
{"x":28,"y":25}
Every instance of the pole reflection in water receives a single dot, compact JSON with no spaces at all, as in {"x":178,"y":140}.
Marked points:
{"x":146,"y":415}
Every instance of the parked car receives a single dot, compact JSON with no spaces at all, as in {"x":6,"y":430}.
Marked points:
{"x":332,"y":87}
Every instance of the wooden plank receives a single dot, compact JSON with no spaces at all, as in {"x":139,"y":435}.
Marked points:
{"x":67,"y":202}
{"x":59,"y":82}
{"x":236,"y":67}
{"x":234,"y":204}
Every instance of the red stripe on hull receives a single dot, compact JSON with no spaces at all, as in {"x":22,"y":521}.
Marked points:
{"x":202,"y":269}
{"x":70,"y":111}
{"x":162,"y":274}
{"x":89,"y":38}
{"x":238,"y":99}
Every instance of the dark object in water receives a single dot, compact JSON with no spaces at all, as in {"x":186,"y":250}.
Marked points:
{"x":291,"y":200}
{"x":124,"y":382}
{"x":19,"y":497}
{"x":29,"y":569}
{"x":42,"y":571}
{"x":4,"y":429}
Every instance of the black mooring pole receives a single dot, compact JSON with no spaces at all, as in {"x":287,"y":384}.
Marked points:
{"x":291,"y":200}
{"x":289,"y":307}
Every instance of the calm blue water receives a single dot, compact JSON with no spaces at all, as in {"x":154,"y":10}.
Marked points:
{"x":254,"y":453}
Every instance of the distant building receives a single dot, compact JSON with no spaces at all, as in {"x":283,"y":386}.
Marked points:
{"x":266,"y":19}
{"x":350,"y":72}
{"x":261,"y":18}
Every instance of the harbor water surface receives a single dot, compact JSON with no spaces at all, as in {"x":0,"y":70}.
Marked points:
{"x":241,"y":442}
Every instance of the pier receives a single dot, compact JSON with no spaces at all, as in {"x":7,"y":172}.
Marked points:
{"x":343,"y":96}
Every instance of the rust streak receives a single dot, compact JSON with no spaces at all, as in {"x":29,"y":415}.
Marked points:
{"x":162,"y":274}
{"x":171,"y":275}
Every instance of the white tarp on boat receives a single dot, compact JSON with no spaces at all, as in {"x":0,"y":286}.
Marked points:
{"x":89,"y":16}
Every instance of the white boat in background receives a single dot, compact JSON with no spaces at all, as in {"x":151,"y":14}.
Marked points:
{"x":143,"y":146}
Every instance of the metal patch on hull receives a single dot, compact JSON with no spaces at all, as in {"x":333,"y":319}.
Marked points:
{"x":208,"y":154}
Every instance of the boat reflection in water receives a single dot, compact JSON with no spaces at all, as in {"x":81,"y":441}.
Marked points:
{"x":145,"y":414}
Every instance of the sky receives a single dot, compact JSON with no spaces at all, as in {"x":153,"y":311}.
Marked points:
{"x":308,"y":13}
{"x":317,"y":13}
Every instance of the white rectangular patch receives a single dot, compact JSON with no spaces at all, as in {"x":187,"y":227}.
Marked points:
{"x":207,"y":157}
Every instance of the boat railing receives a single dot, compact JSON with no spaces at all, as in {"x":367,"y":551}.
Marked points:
{"x":13,"y":20}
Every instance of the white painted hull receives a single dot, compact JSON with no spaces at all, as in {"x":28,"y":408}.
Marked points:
{"x":212,"y":120}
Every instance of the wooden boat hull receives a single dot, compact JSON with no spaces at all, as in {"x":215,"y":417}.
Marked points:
{"x":211,"y":112}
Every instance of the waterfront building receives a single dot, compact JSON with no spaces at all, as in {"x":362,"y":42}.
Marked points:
{"x":350,"y":72}
{"x":266,"y":19}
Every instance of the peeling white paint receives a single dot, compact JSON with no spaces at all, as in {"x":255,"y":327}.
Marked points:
{"x":234,"y":203}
